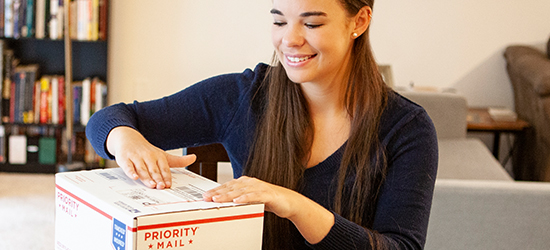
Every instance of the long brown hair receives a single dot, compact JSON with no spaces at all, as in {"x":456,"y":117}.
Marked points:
{"x":284,"y":137}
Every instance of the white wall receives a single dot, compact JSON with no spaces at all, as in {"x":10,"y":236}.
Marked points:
{"x":159,"y":47}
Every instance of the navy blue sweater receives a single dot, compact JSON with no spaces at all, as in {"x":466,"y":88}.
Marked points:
{"x":221,"y":109}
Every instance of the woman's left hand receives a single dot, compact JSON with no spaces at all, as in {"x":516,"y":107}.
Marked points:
{"x":278,"y":200}
{"x":312,"y":220}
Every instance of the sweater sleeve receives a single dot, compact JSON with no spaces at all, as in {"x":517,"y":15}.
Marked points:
{"x":197,"y":115}
{"x":404,"y":203}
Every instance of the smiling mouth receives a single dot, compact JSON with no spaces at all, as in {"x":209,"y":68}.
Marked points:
{"x":299,"y":59}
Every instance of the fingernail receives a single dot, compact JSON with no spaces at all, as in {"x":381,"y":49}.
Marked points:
{"x":135,"y":176}
{"x":154,"y":184}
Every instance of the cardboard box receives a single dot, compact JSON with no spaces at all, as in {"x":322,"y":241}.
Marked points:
{"x":104,"y":209}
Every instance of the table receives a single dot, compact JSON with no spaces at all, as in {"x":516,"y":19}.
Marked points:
{"x":479,"y":120}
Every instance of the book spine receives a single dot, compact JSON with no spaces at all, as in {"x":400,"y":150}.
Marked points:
{"x":16,"y":18}
{"x":31,"y":71}
{"x":92,"y":96}
{"x":82,"y":20}
{"x":60,"y":18}
{"x":73,"y":20}
{"x":12,"y":101}
{"x":85,"y":104}
{"x":55,"y":103}
{"x":77,"y":99}
{"x":61,"y":99}
{"x":2,"y":6}
{"x":52,"y":23}
{"x":6,"y":88}
{"x":40,"y":19}
{"x":44,"y":89}
{"x":94,"y":25}
{"x":100,"y":95}
{"x":103,"y":16}
{"x":8,"y":18}
{"x":36,"y":101}
{"x":30,"y":15}
{"x":20,"y":83}
{"x":2,"y":144}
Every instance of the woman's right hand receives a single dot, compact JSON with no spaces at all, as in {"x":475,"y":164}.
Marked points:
{"x":141,"y":160}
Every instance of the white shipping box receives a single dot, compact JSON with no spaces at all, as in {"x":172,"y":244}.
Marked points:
{"x":104,"y":209}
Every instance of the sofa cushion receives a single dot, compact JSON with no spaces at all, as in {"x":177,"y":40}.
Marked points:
{"x":468,"y":159}
{"x":447,"y":111}
{"x":474,"y":214}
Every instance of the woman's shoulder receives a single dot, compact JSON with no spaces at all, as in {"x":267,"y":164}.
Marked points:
{"x":400,"y":112}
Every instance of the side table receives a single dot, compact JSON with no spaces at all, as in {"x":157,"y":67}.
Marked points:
{"x":479,"y":120}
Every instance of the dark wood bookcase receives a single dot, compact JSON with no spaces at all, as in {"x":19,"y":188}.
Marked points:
{"x":86,"y":59}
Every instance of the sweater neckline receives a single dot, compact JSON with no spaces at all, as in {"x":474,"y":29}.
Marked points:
{"x":331,"y":163}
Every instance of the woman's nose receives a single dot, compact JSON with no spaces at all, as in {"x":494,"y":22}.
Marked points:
{"x":293,"y":36}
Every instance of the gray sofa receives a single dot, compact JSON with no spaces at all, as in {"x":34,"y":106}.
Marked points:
{"x":459,"y":157}
{"x":529,"y":72}
{"x":477,"y":205}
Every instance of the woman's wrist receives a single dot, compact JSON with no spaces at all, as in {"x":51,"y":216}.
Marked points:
{"x":312,"y":220}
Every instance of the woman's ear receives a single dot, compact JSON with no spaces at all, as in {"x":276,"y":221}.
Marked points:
{"x":362,"y":21}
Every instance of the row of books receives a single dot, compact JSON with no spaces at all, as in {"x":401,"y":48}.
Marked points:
{"x":28,"y":98}
{"x":44,"y":145}
{"x":45,"y":19}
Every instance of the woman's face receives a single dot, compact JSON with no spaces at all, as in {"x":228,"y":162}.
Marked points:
{"x":312,"y":39}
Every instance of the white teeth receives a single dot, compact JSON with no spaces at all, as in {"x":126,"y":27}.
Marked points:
{"x":298,"y":59}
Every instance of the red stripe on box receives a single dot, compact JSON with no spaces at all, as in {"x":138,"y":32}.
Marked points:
{"x":201,"y":221}
{"x":84,"y":202}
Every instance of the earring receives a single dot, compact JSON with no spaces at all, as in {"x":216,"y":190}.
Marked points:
{"x":354,"y":34}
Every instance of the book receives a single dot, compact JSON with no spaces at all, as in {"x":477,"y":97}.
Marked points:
{"x":2,"y":46}
{"x":53,"y":20}
{"x":77,"y":99}
{"x":502,"y":114}
{"x":40,"y":19}
{"x":31,"y":72}
{"x":2,"y":144}
{"x":17,"y":18}
{"x":61,"y":99}
{"x":44,"y":102}
{"x":47,"y":153}
{"x":94,"y":20}
{"x":25,"y":77}
{"x":54,"y":103}
{"x":103,"y":16}
{"x":100,"y":94}
{"x":28,"y":29}
{"x":1,"y":18}
{"x":73,"y":19}
{"x":8,"y":18}
{"x":83,"y":16}
{"x":17,"y":149}
{"x":36,"y":102}
{"x":85,"y":102}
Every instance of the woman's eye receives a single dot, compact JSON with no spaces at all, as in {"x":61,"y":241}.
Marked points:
{"x":277,"y":23}
{"x":313,"y":26}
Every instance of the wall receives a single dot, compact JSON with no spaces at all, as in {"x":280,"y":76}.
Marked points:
{"x":159,"y":47}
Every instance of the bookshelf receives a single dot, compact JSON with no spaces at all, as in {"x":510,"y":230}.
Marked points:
{"x":68,"y":57}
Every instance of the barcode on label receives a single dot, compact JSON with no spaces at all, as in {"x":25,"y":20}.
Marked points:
{"x":190,"y":192}
{"x":109,"y":176}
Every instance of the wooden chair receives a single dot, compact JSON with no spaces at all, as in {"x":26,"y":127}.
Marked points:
{"x":208,"y":157}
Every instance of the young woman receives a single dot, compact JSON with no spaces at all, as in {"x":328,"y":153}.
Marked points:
{"x":340,"y":160}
